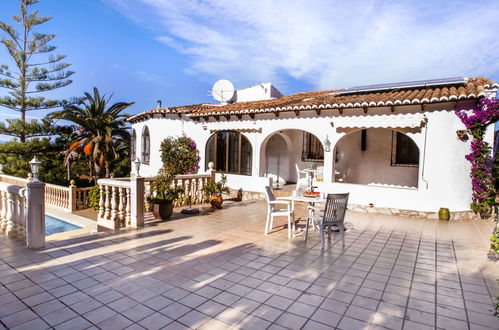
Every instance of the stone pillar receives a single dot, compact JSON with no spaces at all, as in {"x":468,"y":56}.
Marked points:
{"x":35,"y":215}
{"x":137,"y":201}
{"x":212,"y":171}
{"x":72,"y":196}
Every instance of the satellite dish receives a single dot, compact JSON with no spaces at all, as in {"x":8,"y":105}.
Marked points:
{"x":223,"y":91}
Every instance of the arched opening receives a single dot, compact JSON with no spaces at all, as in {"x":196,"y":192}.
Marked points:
{"x":133,"y":145}
{"x":377,"y":156}
{"x":289,"y":151}
{"x":230,"y":151}
{"x":277,"y":160}
{"x":146,"y":146}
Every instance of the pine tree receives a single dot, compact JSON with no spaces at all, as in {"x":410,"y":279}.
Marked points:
{"x":34,"y":70}
{"x":32,"y":75}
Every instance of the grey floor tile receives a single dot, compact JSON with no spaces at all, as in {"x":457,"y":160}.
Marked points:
{"x":155,"y":321}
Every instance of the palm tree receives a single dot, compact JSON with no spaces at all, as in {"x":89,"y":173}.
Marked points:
{"x":101,"y":131}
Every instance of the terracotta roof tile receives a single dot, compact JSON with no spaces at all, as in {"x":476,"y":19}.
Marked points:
{"x":472,"y":88}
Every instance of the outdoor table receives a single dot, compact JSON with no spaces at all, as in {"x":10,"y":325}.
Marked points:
{"x":312,"y":201}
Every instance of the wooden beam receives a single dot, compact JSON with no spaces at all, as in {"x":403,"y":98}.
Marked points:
{"x":179,"y":115}
{"x":423,"y":107}
{"x":297,"y":113}
{"x":365,"y":109}
{"x":392,"y":108}
{"x":318,"y":111}
{"x":227,"y":117}
{"x":252,"y":115}
{"x":276,"y":113}
{"x":340,"y":110}
{"x":239,"y":116}
{"x":217,"y":118}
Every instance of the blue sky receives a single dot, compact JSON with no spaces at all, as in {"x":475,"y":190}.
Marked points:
{"x":145,"y":50}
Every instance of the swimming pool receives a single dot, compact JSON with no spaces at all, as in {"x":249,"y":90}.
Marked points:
{"x":54,"y":225}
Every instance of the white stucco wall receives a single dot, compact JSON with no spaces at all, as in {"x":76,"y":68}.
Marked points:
{"x":443,"y":174}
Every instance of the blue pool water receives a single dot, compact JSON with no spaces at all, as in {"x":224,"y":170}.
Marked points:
{"x":54,"y":225}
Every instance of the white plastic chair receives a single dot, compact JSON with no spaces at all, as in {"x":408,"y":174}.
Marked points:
{"x":274,"y":211}
{"x":333,"y":215}
{"x":301,"y":179}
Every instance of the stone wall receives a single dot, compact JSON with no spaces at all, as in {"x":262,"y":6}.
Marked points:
{"x":464,"y":215}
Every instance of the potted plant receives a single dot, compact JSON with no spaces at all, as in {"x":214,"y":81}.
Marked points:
{"x":163,"y":196}
{"x":214,"y":189}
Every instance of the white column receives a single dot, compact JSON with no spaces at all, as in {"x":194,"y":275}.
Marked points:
{"x":121,"y":204}
{"x":107,"y":203}
{"x":114,"y":207}
{"x":35,"y":215}
{"x":3,"y":210}
{"x":137,"y":201}
{"x":10,"y":230}
{"x":101,"y":202}
{"x":128,"y":213}
{"x":22,"y":214}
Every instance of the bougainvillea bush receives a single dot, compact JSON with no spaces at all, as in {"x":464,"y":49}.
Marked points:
{"x":482,"y":180}
{"x":179,"y":155}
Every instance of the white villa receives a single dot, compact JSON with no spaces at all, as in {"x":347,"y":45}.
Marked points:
{"x":396,"y":148}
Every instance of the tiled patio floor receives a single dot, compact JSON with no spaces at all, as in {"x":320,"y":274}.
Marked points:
{"x":218,"y":271}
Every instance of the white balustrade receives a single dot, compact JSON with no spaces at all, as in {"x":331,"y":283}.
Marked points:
{"x":191,"y":185}
{"x":68,"y":198}
{"x":12,"y":213}
{"x":22,"y":212}
{"x":114,"y":200}
{"x":121,"y":202}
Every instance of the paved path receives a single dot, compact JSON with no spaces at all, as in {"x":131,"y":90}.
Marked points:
{"x":218,"y":271}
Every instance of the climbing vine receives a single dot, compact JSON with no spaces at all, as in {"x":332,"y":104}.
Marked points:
{"x":482,"y":180}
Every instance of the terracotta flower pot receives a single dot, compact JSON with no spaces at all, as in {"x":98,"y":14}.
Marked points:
{"x":216,"y":201}
{"x":162,"y":211}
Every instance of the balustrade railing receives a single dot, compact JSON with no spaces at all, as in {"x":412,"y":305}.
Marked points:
{"x":68,"y":198}
{"x":81,"y":198}
{"x":13,"y":180}
{"x":57,"y":196}
{"x":12,"y":210}
{"x":121,"y":202}
{"x":191,"y":185}
{"x":114,"y":203}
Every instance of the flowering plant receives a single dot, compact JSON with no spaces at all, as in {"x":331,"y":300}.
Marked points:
{"x":179,"y":155}
{"x":482,"y":180}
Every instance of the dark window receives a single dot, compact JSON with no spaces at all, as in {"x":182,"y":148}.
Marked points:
{"x":230,"y":152}
{"x":312,"y":148}
{"x":146,"y":145}
{"x":404,"y":151}
{"x":133,"y":145}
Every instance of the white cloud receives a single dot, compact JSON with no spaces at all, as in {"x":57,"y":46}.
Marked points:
{"x":151,"y":77}
{"x":329,"y":44}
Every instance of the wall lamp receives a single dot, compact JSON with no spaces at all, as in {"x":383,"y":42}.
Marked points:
{"x":327,"y":144}
{"x":462,"y":135}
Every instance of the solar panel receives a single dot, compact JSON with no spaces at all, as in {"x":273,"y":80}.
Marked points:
{"x":401,"y":85}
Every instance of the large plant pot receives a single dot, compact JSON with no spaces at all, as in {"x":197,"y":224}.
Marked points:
{"x":216,"y":201}
{"x":444,"y":214}
{"x":162,"y":211}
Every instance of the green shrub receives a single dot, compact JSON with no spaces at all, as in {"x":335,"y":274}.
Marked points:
{"x":94,"y":196}
{"x":494,"y":245}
